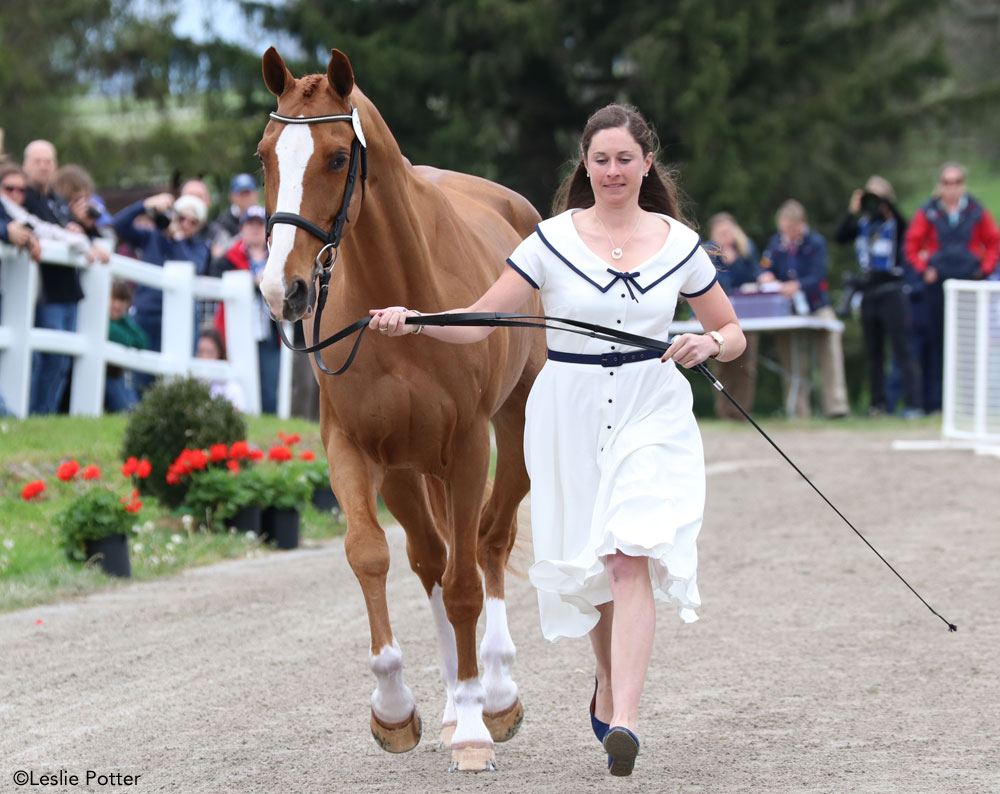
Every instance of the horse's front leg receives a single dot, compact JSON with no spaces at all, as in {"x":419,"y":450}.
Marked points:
{"x":471,"y":744}
{"x":395,"y":722}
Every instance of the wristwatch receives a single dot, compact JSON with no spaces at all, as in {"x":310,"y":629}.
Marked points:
{"x":721,"y":340}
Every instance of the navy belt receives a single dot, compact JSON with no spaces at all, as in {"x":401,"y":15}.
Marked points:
{"x":604,"y":359}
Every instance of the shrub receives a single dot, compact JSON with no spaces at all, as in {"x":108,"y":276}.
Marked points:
{"x":174,"y":416}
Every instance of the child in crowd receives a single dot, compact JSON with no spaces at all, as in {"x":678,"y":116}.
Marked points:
{"x":211,"y":346}
{"x":119,"y":395}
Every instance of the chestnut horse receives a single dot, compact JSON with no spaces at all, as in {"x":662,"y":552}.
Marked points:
{"x":411,"y":417}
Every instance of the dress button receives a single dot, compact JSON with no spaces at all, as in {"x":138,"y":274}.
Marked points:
{"x":612,"y":347}
{"x":611,"y":374}
{"x":623,"y":294}
{"x":610,"y":401}
{"x":618,"y":321}
{"x":609,"y":427}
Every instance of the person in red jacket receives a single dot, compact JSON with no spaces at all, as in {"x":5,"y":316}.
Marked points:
{"x":951,"y":235}
{"x":249,"y":252}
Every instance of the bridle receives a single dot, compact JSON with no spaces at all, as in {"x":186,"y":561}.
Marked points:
{"x":327,"y":256}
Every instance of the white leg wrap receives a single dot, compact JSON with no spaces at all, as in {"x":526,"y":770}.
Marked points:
{"x":392,"y":700}
{"x":469,"y":698}
{"x":449,"y":654}
{"x":497,"y":651}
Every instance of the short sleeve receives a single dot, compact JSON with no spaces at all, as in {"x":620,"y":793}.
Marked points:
{"x":699,"y":274}
{"x":528,"y":259}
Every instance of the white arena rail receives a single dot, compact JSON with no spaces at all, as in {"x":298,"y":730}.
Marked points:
{"x":19,"y":286}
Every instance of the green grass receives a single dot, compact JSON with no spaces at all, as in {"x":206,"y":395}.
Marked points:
{"x":33,"y":567}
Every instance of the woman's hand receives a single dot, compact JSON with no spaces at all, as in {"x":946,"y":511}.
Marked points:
{"x":690,"y":350}
{"x":391,"y":321}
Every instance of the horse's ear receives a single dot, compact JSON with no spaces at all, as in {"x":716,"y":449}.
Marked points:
{"x":340,"y":74}
{"x":277,"y":78}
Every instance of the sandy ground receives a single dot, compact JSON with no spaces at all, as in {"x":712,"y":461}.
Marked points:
{"x":813,"y":669}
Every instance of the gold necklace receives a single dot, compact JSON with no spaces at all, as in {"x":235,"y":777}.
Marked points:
{"x":616,"y":250}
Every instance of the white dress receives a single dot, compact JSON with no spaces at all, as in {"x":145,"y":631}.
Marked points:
{"x":614,"y":453}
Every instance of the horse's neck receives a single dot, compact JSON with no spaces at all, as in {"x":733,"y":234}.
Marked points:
{"x":388,"y":251}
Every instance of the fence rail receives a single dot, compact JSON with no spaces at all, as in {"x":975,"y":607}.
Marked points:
{"x":89,"y":345}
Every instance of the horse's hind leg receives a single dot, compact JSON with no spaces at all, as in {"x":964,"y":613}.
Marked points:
{"x":395,"y":723}
{"x":418,"y":503}
{"x":498,"y":527}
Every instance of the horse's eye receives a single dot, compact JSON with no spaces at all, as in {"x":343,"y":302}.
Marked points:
{"x":338,"y":161}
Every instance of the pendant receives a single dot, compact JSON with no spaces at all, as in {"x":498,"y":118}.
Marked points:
{"x":616,"y":253}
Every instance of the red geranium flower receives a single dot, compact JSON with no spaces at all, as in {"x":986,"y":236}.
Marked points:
{"x":239,"y":450}
{"x":293,"y":439}
{"x":129,"y":467}
{"x":196,"y":459}
{"x":32,"y":489}
{"x":143,"y":470}
{"x":256,"y":454}
{"x":173,"y":478}
{"x":217,"y":453}
{"x":132,"y":505}
{"x":67,"y":471}
{"x":233,"y":466}
{"x":91,"y":473}
{"x":279,"y":453}
{"x":307,"y":454}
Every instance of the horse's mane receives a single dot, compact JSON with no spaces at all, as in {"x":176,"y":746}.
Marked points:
{"x":309,"y":84}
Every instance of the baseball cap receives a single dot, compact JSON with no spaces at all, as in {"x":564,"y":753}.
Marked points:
{"x":241,"y":183}
{"x":254,"y":213}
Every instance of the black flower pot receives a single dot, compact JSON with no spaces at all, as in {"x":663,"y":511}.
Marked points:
{"x":323,"y":499}
{"x":280,"y":527}
{"x":247,"y":519}
{"x":112,"y":553}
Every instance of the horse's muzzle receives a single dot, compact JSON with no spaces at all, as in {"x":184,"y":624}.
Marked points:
{"x":299,"y":299}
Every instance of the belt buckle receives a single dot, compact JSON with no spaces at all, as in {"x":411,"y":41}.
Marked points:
{"x":611,"y":360}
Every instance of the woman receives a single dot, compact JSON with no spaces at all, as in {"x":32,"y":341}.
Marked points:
{"x":614,"y":453}
{"x":740,"y":264}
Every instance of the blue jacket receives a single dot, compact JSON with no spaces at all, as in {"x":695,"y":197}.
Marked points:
{"x":805,"y":264}
{"x":156,"y":249}
{"x":742,"y":271}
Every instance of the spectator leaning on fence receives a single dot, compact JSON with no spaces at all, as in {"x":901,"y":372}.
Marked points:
{"x":797,"y":257}
{"x":174,"y":237}
{"x":87,"y":209}
{"x":13,"y":184}
{"x":951,"y":236}
{"x":875,"y":227}
{"x":61,"y":291}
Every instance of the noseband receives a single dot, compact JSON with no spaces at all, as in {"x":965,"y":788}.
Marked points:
{"x":327,"y":255}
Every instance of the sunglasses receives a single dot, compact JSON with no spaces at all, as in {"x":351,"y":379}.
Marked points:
{"x":13,"y":188}
{"x":188,"y":219}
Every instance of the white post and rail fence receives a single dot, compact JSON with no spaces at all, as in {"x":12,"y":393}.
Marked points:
{"x":89,"y":345}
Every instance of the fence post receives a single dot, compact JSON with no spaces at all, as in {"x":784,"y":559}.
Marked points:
{"x":18,"y":288}
{"x":87,"y":390}
{"x":178,"y":317}
{"x":241,"y":336}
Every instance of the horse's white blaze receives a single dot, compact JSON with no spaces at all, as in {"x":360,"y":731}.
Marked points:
{"x":392,"y":700}
{"x":449,"y":654}
{"x":293,"y":150}
{"x":497,"y":651}
{"x":469,"y":699}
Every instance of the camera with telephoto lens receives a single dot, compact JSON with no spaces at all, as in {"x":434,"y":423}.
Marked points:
{"x":161,"y":219}
{"x":871,"y":204}
{"x":92,"y":212}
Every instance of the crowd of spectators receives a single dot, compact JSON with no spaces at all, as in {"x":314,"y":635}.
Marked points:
{"x":901,"y":268}
{"x":39,"y":201}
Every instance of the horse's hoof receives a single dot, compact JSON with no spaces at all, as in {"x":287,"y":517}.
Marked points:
{"x":473,"y":758}
{"x":399,"y":738}
{"x":504,"y":725}
{"x":447,"y":731}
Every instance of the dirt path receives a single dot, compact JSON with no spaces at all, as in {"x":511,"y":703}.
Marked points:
{"x":812,"y":670}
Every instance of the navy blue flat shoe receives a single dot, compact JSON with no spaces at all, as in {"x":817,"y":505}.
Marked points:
{"x":622,"y":746}
{"x":600,"y":728}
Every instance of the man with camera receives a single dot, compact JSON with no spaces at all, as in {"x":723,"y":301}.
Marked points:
{"x":876,"y":228}
{"x":174,"y":237}
{"x":951,"y":235}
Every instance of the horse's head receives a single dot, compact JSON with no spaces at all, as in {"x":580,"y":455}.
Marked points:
{"x":312,"y":152}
